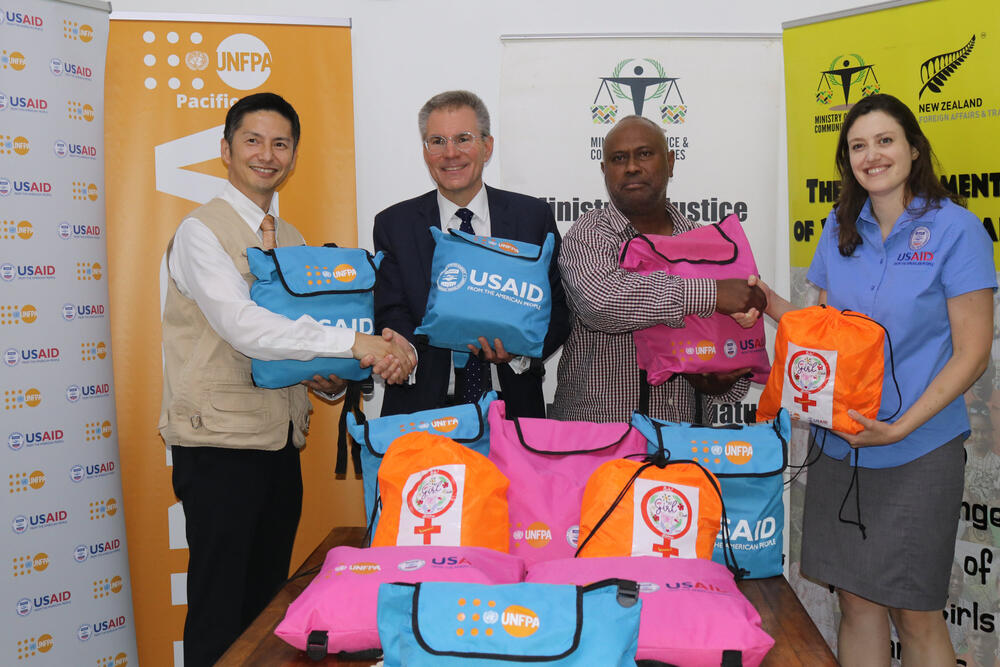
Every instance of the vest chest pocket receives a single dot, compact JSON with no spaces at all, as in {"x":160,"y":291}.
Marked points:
{"x":235,"y":410}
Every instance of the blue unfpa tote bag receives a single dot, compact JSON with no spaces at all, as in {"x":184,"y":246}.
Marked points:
{"x":444,"y":624}
{"x":332,"y":285}
{"x":488,"y":286}
{"x":748,"y":460}
{"x":466,"y":424}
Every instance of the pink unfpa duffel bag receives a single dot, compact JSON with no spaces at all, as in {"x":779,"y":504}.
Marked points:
{"x":715,"y":344}
{"x":692,"y":612}
{"x":337,"y":612}
{"x":548,"y":463}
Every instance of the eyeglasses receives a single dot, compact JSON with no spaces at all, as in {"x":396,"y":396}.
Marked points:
{"x":436,"y":144}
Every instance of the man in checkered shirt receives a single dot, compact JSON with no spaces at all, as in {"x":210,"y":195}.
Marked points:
{"x":598,"y":376}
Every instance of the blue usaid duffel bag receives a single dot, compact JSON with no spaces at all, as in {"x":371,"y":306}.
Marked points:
{"x":488,"y":286}
{"x":332,"y":285}
{"x":466,"y":424}
{"x":748,"y":461}
{"x":443,"y":624}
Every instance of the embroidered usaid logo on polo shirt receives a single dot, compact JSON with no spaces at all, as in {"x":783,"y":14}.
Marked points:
{"x":919,"y":238}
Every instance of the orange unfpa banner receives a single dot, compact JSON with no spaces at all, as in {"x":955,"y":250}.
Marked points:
{"x":169,"y":85}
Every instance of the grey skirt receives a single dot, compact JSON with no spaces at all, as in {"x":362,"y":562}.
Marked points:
{"x":910,"y":514}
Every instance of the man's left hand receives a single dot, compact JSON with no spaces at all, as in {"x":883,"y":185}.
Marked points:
{"x":332,"y":385}
{"x":495,"y":355}
{"x":715,"y":384}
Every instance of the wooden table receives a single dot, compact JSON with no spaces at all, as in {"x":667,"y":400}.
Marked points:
{"x":797,"y":642}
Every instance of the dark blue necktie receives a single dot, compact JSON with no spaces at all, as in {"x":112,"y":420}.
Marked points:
{"x":471,"y":381}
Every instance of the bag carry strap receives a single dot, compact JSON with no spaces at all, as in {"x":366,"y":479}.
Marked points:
{"x":352,"y":403}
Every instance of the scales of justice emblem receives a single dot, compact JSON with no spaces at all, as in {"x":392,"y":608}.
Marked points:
{"x":667,"y":512}
{"x":430,"y":497}
{"x":808,"y":373}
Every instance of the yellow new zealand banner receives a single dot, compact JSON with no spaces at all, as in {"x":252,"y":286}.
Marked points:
{"x":170,"y":81}
{"x":939,"y":57}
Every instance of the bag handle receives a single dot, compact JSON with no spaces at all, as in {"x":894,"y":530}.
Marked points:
{"x":462,"y":236}
{"x":892,"y":360}
{"x":352,"y":403}
{"x":683,"y":260}
{"x":534,"y":450}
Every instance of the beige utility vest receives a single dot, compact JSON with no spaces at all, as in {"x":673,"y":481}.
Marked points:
{"x":208,"y":396}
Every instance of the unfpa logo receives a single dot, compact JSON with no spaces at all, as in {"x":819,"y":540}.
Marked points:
{"x":27,"y":648}
{"x":26,"y":314}
{"x":106,"y":587}
{"x":75,"y":31}
{"x":11,"y":230}
{"x":15,"y":60}
{"x":10,"y":145}
{"x":519,"y":621}
{"x":79,"y":111}
{"x":95,"y":431}
{"x":243,"y":61}
{"x":93,"y":351}
{"x":19,"y":482}
{"x":24,"y":565}
{"x":88,"y":271}
{"x":83,"y":191}
{"x":536,"y":535}
{"x":345,"y":273}
{"x":119,"y":660}
{"x":14,"y":399}
{"x":739,"y":452}
{"x":100,"y":509}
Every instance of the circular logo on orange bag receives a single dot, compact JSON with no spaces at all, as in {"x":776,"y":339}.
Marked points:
{"x":808,"y":371}
{"x":666,"y":511}
{"x":433,"y":495}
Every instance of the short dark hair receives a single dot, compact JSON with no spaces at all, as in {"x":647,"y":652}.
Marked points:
{"x":454,"y":99}
{"x":922,"y":181}
{"x":260,"y":102}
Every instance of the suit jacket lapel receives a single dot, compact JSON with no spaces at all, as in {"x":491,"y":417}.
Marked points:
{"x":428,"y":216}
{"x":501,"y":223}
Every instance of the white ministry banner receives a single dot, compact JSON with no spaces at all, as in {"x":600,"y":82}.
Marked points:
{"x":66,"y":584}
{"x":718,"y":98}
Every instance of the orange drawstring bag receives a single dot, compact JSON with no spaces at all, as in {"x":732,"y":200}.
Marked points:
{"x":438,"y":492}
{"x":635,"y":508}
{"x":825,"y":363}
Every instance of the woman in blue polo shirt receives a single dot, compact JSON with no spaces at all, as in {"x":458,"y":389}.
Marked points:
{"x":899,"y":248}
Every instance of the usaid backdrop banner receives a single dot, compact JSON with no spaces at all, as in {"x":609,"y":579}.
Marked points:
{"x":66,"y":586}
{"x":717,"y":97}
{"x":940,"y":58}
{"x":171,"y":79}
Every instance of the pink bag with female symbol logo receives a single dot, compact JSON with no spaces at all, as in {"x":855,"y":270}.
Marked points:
{"x":715,"y":344}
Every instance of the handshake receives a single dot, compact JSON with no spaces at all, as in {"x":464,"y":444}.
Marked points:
{"x":390,"y":356}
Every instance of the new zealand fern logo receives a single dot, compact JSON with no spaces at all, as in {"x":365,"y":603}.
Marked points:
{"x":934,"y":72}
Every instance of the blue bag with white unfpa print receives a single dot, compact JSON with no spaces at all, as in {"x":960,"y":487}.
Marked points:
{"x":748,"y":461}
{"x":332,"y":285}
{"x":466,"y":424}
{"x":488,"y":286}
{"x":448,"y":624}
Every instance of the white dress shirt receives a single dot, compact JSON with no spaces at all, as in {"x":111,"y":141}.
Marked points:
{"x":205,"y":273}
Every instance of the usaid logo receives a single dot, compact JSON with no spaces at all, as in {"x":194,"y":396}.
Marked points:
{"x":11,"y":356}
{"x":22,"y":103}
{"x":71,"y":311}
{"x":103,"y":548}
{"x":22,"y":19}
{"x":6,"y":187}
{"x":15,"y":440}
{"x":243,"y":61}
{"x":7,"y":272}
{"x":3,"y":101}
{"x":76,"y":473}
{"x":60,"y":148}
{"x":84,"y":632}
{"x":452,"y":277}
{"x":68,"y":231}
{"x":73,"y":393}
{"x":919,"y":237}
{"x":19,"y":524}
{"x":58,"y":67}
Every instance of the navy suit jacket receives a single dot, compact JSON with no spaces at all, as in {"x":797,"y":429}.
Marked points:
{"x":402,"y":231}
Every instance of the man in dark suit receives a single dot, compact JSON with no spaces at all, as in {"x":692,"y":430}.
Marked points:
{"x":455,"y":129}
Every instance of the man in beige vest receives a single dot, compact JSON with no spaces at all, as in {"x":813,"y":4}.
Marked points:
{"x":235,"y":446}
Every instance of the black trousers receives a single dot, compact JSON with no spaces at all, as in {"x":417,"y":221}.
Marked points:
{"x":241,"y":508}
